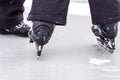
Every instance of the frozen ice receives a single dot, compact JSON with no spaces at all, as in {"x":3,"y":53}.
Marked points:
{"x":71,"y":54}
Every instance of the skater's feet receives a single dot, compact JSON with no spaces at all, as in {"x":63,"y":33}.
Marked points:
{"x":106,"y":35}
{"x":40,"y":34}
{"x":20,"y":29}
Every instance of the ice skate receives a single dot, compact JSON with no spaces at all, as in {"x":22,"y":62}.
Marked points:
{"x":105,"y":35}
{"x":20,"y":29}
{"x":40,"y":34}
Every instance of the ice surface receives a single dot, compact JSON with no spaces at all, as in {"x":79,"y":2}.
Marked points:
{"x":72,"y":53}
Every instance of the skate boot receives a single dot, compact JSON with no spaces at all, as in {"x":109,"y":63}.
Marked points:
{"x":20,"y":29}
{"x":40,"y":34}
{"x":105,"y":35}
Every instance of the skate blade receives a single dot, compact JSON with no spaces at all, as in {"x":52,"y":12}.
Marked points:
{"x":105,"y":48}
{"x":39,"y":49}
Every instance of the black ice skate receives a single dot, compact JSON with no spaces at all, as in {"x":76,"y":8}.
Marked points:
{"x":20,"y":29}
{"x":40,"y":34}
{"x":106,"y":35}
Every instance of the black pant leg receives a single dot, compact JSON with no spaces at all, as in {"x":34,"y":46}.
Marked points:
{"x":105,"y":11}
{"x":11,"y":13}
{"x":54,"y":11}
{"x":102,"y":12}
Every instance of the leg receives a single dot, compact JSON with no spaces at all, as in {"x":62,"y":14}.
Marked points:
{"x":105,"y":12}
{"x":105,"y":16}
{"x":12,"y":15}
{"x":45,"y":14}
{"x":54,"y":11}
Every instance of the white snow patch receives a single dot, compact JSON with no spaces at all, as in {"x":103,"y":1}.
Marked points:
{"x":99,"y":61}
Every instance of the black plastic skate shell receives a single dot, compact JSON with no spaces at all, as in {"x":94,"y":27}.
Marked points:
{"x":105,"y":42}
{"x":41,"y":33}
